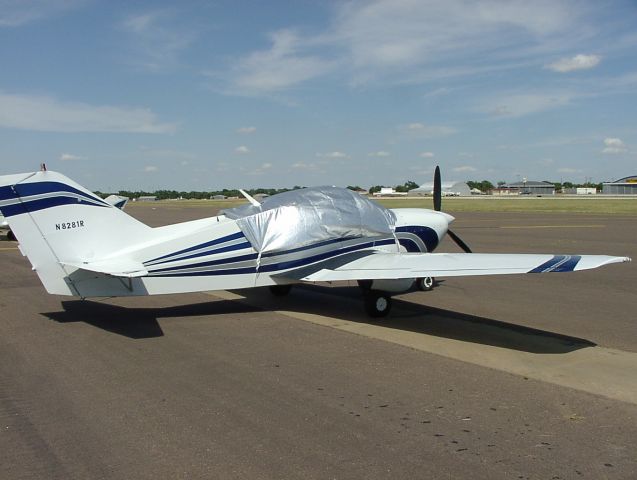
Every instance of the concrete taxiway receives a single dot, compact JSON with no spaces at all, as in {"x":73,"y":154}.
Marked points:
{"x":501,"y":377}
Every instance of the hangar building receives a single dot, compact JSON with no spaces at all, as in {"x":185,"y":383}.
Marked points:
{"x":529,"y":187}
{"x":623,"y":186}
{"x":458,"y":189}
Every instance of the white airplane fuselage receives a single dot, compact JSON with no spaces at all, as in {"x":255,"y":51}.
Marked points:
{"x":213,"y":254}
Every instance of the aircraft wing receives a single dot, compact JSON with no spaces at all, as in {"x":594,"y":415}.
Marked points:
{"x":387,"y":266}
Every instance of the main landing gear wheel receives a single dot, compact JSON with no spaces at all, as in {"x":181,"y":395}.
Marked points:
{"x":10,"y":236}
{"x":377,"y":304}
{"x":280,"y":290}
{"x":425,"y":284}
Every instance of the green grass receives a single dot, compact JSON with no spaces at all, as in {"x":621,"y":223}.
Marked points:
{"x":589,"y":205}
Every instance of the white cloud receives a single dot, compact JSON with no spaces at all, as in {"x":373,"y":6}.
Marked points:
{"x":261,"y":170}
{"x":70,"y":157}
{"x":578,"y":62}
{"x":277,"y":68}
{"x":156,"y":42}
{"x":521,"y":104}
{"x":167,"y":153}
{"x":303,"y":166}
{"x":465,"y":168}
{"x":427,"y":155}
{"x":415,"y":41}
{"x":380,"y":153}
{"x":150,"y":168}
{"x":246,"y":130}
{"x":614,"y":146}
{"x":15,"y":13}
{"x":46,"y":114}
{"x":242,"y":150}
{"x":333,"y":155}
{"x":427,"y":131}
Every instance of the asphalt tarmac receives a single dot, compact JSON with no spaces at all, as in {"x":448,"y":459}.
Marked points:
{"x":503,"y":377}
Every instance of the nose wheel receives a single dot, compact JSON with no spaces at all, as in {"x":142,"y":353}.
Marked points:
{"x":425,"y":284}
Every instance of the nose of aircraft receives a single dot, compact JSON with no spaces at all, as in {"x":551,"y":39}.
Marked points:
{"x":440,"y":223}
{"x":448,"y":218}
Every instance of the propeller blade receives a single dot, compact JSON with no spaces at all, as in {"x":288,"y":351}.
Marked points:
{"x":459,"y":242}
{"x":437,"y":190}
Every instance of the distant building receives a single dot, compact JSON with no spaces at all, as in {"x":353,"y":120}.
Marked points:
{"x":529,"y":187}
{"x":623,"y":186}
{"x":218,"y":197}
{"x":585,"y":191}
{"x":147,"y":198}
{"x":455,"y":189}
{"x":389,"y":192}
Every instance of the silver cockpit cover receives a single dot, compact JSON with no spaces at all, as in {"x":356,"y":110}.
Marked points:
{"x":311,"y":215}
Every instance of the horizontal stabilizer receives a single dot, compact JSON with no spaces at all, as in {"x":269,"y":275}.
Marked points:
{"x":386,"y":266}
{"x":115,"y":267}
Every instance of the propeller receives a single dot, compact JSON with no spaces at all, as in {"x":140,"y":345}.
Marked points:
{"x":438,"y":208}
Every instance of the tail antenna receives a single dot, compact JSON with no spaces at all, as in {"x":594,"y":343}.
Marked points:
{"x":43,"y":167}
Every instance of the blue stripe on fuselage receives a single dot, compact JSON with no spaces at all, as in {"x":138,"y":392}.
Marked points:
{"x":273,"y":267}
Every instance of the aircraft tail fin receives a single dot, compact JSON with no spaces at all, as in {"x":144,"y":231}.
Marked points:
{"x":60,"y":225}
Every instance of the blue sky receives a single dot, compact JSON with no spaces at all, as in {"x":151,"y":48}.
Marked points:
{"x":204,"y":95}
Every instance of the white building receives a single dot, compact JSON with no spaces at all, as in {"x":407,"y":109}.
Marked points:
{"x":448,"y":189}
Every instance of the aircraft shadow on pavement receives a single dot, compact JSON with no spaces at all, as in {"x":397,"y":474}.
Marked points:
{"x":342,"y":302}
{"x":417,"y":318}
{"x":138,"y":323}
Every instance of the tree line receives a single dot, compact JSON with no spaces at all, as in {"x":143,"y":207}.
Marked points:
{"x":484,"y":186}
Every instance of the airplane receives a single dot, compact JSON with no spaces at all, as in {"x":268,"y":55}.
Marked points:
{"x":115,"y":200}
{"x":81,"y":246}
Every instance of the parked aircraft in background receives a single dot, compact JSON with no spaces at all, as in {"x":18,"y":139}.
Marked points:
{"x":80,"y":245}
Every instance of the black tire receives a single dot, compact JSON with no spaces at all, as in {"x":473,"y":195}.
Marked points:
{"x":425,"y":284}
{"x":377,"y":304}
{"x":280,"y":290}
{"x":11,"y":236}
{"x":365,"y":285}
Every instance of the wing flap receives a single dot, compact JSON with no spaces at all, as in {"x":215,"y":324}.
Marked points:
{"x":116,"y":267}
{"x":381,"y":266}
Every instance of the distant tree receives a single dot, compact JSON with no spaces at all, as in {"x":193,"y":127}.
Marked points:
{"x":501,"y":183}
{"x":405,"y":187}
{"x":354,"y":188}
{"x":375,"y":188}
{"x":484,"y":185}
